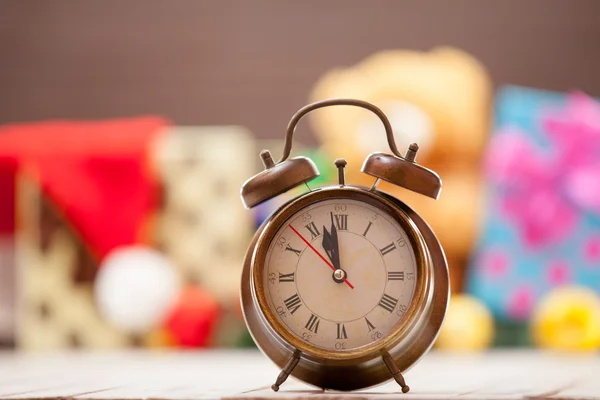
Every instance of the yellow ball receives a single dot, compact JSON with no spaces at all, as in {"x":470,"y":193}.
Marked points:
{"x":469,"y":325}
{"x":568,"y":318}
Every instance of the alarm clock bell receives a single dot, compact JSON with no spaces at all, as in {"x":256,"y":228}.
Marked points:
{"x":403,"y":172}
{"x":278,"y":178}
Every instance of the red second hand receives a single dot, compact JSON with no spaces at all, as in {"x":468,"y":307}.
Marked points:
{"x":319,"y":254}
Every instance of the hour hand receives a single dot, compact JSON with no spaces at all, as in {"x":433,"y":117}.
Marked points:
{"x":329,"y":247}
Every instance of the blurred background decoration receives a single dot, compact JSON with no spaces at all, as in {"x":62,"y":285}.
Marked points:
{"x":543,"y":222}
{"x":127,"y":129}
{"x":439,"y":99}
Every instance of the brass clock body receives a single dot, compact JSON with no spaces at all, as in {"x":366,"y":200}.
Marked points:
{"x":344,"y":287}
{"x":364,"y":366}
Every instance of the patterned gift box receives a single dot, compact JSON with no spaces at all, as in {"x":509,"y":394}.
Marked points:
{"x":82,"y":189}
{"x":542,"y":227}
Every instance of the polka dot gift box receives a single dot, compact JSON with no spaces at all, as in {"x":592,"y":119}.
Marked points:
{"x":542,"y":228}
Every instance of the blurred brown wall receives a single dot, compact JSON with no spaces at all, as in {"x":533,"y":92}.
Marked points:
{"x":254,"y":62}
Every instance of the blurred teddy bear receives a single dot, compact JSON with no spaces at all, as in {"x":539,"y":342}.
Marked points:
{"x":439,"y":99}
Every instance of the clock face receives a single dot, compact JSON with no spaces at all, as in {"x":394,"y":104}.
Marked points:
{"x":340,"y":274}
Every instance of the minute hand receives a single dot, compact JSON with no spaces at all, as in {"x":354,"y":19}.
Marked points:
{"x":335,"y":242}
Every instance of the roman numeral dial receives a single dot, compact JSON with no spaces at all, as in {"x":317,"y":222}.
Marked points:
{"x":306,"y":249}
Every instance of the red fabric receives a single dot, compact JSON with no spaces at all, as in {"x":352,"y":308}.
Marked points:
{"x":96,"y":173}
{"x":8,"y":168}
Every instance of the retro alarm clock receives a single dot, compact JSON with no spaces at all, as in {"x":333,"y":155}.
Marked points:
{"x":343,"y":287}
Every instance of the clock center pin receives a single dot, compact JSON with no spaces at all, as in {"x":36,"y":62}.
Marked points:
{"x":339,"y":275}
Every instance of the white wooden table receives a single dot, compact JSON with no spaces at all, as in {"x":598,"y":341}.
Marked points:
{"x":501,"y":375}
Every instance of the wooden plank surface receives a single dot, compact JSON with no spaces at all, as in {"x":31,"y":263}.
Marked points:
{"x":501,"y":375}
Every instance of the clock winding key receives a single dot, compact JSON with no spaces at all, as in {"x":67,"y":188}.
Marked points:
{"x":340,"y":163}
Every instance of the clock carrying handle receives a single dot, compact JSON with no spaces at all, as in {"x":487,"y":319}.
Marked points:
{"x":287,"y":149}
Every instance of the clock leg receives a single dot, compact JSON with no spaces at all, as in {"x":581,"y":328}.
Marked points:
{"x":391,"y":365}
{"x":287,"y":370}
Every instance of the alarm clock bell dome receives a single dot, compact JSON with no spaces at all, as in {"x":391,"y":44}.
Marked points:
{"x":277,"y":178}
{"x":404,"y":172}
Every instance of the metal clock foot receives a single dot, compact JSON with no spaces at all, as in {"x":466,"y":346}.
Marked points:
{"x":391,"y":365}
{"x":287,"y":370}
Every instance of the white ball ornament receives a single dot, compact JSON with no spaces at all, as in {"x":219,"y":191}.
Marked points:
{"x":135,"y":288}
